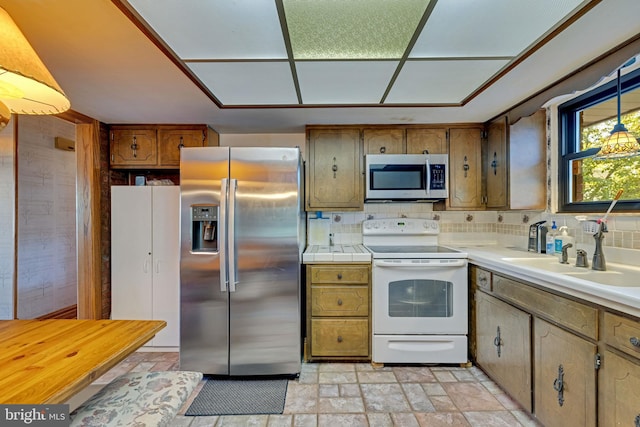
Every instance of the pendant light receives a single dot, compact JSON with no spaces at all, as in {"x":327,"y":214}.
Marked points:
{"x":26,"y":86}
{"x":620,"y":143}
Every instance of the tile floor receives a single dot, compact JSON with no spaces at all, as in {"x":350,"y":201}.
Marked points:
{"x":357,"y":394}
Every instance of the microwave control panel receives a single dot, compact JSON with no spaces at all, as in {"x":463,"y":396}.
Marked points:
{"x":438,"y":173}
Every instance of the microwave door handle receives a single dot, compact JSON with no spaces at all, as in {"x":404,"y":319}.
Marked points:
{"x":428,"y":177}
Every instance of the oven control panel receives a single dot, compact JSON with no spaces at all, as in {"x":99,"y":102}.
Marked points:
{"x":400,"y":226}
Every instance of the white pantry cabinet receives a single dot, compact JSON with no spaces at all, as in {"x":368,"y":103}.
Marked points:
{"x":145,"y":265}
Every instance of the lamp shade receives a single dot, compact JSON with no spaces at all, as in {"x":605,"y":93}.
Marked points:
{"x":26,"y":86}
{"x":619,"y":144}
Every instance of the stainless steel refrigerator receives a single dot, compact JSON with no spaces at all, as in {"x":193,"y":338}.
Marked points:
{"x":242,"y":238}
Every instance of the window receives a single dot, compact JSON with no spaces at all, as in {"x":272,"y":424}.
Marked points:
{"x":586,"y":184}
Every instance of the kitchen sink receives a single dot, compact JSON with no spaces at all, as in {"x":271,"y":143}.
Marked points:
{"x":616,"y":274}
{"x":545,"y":263}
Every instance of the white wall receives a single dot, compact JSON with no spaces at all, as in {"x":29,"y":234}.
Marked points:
{"x":46,"y":226}
{"x":264,"y":140}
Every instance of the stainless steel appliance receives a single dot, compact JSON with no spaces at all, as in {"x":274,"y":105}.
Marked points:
{"x":538,"y":237}
{"x":242,"y":238}
{"x":419,"y":293}
{"x":406,"y":176}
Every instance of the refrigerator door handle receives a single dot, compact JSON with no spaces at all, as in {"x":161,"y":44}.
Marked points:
{"x":222,"y":230}
{"x":233,"y":270}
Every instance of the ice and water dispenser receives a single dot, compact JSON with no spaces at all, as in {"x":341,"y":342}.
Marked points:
{"x":204,"y":228}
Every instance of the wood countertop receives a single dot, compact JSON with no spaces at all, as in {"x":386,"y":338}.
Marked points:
{"x":48,"y":361}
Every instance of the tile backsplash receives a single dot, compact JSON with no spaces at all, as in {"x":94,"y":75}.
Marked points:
{"x":510,"y":228}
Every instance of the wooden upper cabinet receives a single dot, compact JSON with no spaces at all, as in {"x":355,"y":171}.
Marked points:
{"x":497,"y":164}
{"x":433,"y":140}
{"x":465,"y":168}
{"x":384,"y":141}
{"x":155,"y":146}
{"x":527,"y":162}
{"x":334,"y":176}
{"x":133,"y":147}
{"x":171,"y":141}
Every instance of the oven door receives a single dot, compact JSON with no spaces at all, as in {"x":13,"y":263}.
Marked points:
{"x":419,"y":296}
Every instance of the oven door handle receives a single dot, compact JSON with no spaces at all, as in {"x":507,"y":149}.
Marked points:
{"x":453,"y":263}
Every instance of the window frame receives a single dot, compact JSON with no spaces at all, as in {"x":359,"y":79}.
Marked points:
{"x":568,"y":138}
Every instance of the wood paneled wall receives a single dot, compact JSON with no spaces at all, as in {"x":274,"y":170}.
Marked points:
{"x":88,"y":220}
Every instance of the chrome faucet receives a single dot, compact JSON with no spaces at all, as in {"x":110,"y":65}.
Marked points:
{"x":581,"y":259}
{"x":564,"y":258}
{"x":598,"y":256}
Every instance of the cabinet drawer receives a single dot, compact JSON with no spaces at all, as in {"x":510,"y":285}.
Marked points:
{"x":482,"y":278}
{"x":339,"y":300}
{"x":622,"y":333}
{"x":341,"y":274}
{"x":346,"y":337}
{"x":571,"y":314}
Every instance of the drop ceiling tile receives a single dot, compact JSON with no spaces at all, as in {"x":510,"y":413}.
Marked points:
{"x":197,"y":29}
{"x":471,"y":28}
{"x":354,"y":29}
{"x":248,"y":83}
{"x":344,"y":82}
{"x":441,"y":82}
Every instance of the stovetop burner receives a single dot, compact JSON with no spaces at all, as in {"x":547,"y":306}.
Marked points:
{"x":412,"y":249}
{"x":409,"y":238}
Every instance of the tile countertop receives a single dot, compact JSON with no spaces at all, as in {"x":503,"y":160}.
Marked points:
{"x":336,"y":253}
{"x":617,"y":288}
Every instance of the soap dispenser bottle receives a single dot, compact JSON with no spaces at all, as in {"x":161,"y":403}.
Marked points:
{"x":562,"y":238}
{"x":551,"y":239}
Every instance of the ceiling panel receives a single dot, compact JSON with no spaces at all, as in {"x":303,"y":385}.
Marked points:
{"x":248,"y":83}
{"x":229,"y":44}
{"x":355,"y":29}
{"x":219,"y":29}
{"x":471,"y":28}
{"x":344,"y":82}
{"x":441,"y":82}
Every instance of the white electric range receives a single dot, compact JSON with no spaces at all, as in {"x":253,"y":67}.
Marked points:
{"x":419,"y":293}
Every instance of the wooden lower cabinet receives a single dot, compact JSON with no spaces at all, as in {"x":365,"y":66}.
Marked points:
{"x":565,"y":377}
{"x":503,"y":346}
{"x":340,"y":337}
{"x":567,"y":361}
{"x":338,"y":312}
{"x":619,"y":394}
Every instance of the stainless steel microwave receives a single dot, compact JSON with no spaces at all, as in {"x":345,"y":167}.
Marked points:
{"x":407,"y":176}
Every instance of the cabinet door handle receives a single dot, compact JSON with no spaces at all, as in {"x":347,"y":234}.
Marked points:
{"x":134,"y":147}
{"x":181,"y":143}
{"x":383,"y":149}
{"x":635,"y":341}
{"x":339,"y":338}
{"x":339,"y":301}
{"x":497,"y":341}
{"x":637,"y":421}
{"x":465,"y":167}
{"x":558,"y":385}
{"x":334,"y":168}
{"x":339,"y":275}
{"x":494,"y":163}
